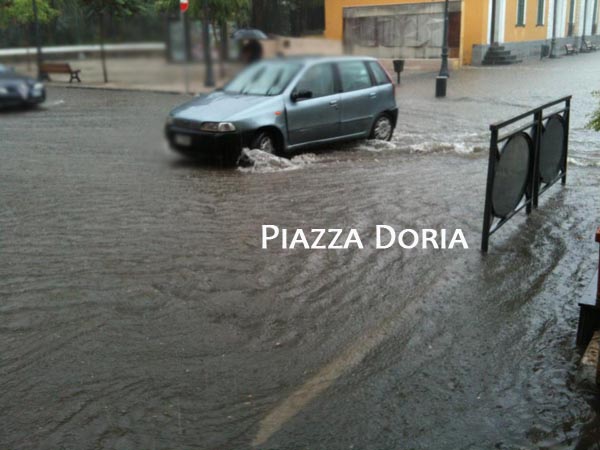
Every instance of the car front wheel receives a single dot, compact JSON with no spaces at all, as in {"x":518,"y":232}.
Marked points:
{"x":383,"y":128}
{"x":266,"y":142}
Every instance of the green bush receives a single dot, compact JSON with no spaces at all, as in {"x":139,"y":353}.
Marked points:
{"x":594,"y":122}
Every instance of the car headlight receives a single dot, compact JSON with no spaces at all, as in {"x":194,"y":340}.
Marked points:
{"x":218,"y":127}
{"x":3,"y":90}
{"x":38,"y":86}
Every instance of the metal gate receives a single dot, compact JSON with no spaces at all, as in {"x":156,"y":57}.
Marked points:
{"x":525,"y":162}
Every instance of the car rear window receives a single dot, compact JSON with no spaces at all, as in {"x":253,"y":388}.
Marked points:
{"x":378,"y":72}
{"x":354,"y":75}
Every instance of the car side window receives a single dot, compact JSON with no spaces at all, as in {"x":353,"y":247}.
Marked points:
{"x":378,"y":72}
{"x":354,"y":75}
{"x":319,"y":80}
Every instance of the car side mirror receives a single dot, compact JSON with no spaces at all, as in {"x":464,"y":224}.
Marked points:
{"x":301,"y":95}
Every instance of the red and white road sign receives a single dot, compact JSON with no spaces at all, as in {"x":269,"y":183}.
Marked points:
{"x":184,"y":5}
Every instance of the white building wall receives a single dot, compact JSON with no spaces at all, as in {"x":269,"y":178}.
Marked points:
{"x":590,"y":19}
{"x":500,"y":20}
{"x":561,"y":18}
{"x":502,"y":9}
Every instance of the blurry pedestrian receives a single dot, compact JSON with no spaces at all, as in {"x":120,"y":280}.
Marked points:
{"x":252,"y":51}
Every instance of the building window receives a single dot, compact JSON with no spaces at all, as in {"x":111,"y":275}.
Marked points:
{"x":521,"y":13}
{"x":540,"y":15}
{"x":571,"y":18}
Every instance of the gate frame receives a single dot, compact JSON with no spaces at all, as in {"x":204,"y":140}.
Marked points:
{"x":534,"y":183}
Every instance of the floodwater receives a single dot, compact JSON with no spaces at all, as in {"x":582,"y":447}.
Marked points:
{"x":138,"y":310}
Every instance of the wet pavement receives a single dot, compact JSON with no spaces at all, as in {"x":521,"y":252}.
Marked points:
{"x":137,"y":309}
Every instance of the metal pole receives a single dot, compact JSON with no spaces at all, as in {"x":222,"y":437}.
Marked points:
{"x":536,"y":178}
{"x":595,"y":18}
{"x":572,"y":19}
{"x":487,"y":214}
{"x":585,"y":11}
{"x":493,"y":24}
{"x":567,"y":118}
{"x":444,"y":69}
{"x":598,"y":291}
{"x":553,"y":42}
{"x":38,"y":44}
{"x":102,"y":50}
{"x":209,"y":79}
{"x":186,"y":74}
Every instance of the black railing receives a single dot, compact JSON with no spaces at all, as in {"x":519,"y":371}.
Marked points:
{"x":533,"y":157}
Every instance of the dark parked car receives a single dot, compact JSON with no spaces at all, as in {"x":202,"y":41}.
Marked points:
{"x":282,"y":105}
{"x":17,"y":90}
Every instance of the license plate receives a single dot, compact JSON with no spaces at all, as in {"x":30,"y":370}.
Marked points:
{"x":183,"y":139}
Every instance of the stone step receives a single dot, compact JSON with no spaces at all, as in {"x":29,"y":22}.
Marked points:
{"x":498,"y":56}
{"x":501,"y":62}
{"x":495,"y":53}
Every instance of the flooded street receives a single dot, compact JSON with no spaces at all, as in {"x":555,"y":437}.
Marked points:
{"x":138,"y":310}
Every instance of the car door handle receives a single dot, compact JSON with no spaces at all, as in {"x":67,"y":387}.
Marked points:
{"x":372,"y":95}
{"x":333,"y":102}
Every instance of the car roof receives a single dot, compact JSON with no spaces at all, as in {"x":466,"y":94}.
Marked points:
{"x":309,"y":59}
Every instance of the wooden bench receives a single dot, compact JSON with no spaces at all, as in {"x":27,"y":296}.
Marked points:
{"x":587,"y":46}
{"x":48,"y":68}
{"x":570,"y":49}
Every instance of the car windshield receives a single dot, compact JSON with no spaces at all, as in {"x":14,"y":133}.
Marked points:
{"x":263,"y":78}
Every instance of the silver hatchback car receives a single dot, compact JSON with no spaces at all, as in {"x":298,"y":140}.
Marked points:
{"x":282,"y":105}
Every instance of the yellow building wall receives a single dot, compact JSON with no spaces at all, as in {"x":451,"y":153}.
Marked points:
{"x":334,"y":12}
{"x":531,"y":31}
{"x":473,"y":20}
{"x":474,"y":29}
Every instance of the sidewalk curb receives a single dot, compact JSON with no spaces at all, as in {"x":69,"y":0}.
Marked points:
{"x":51,"y":84}
{"x":118,"y":89}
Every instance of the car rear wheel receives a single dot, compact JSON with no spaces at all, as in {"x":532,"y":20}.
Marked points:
{"x":266,"y":142}
{"x":383,"y":128}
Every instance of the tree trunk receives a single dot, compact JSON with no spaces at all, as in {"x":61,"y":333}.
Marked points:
{"x":219,"y":40}
{"x":102,"y":53}
{"x":225,"y":40}
{"x":209,"y":80}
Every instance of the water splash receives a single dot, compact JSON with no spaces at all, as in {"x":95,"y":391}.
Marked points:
{"x":579,"y":162}
{"x":258,"y":161}
{"x":54,"y":103}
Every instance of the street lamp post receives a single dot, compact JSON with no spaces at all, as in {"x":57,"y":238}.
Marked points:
{"x":493,"y":23}
{"x":553,"y":41}
{"x":38,"y":45}
{"x":209,"y":79}
{"x":444,"y":69}
{"x":442,"y":79}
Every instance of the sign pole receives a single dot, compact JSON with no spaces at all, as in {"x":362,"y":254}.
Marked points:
{"x":183,"y":7}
